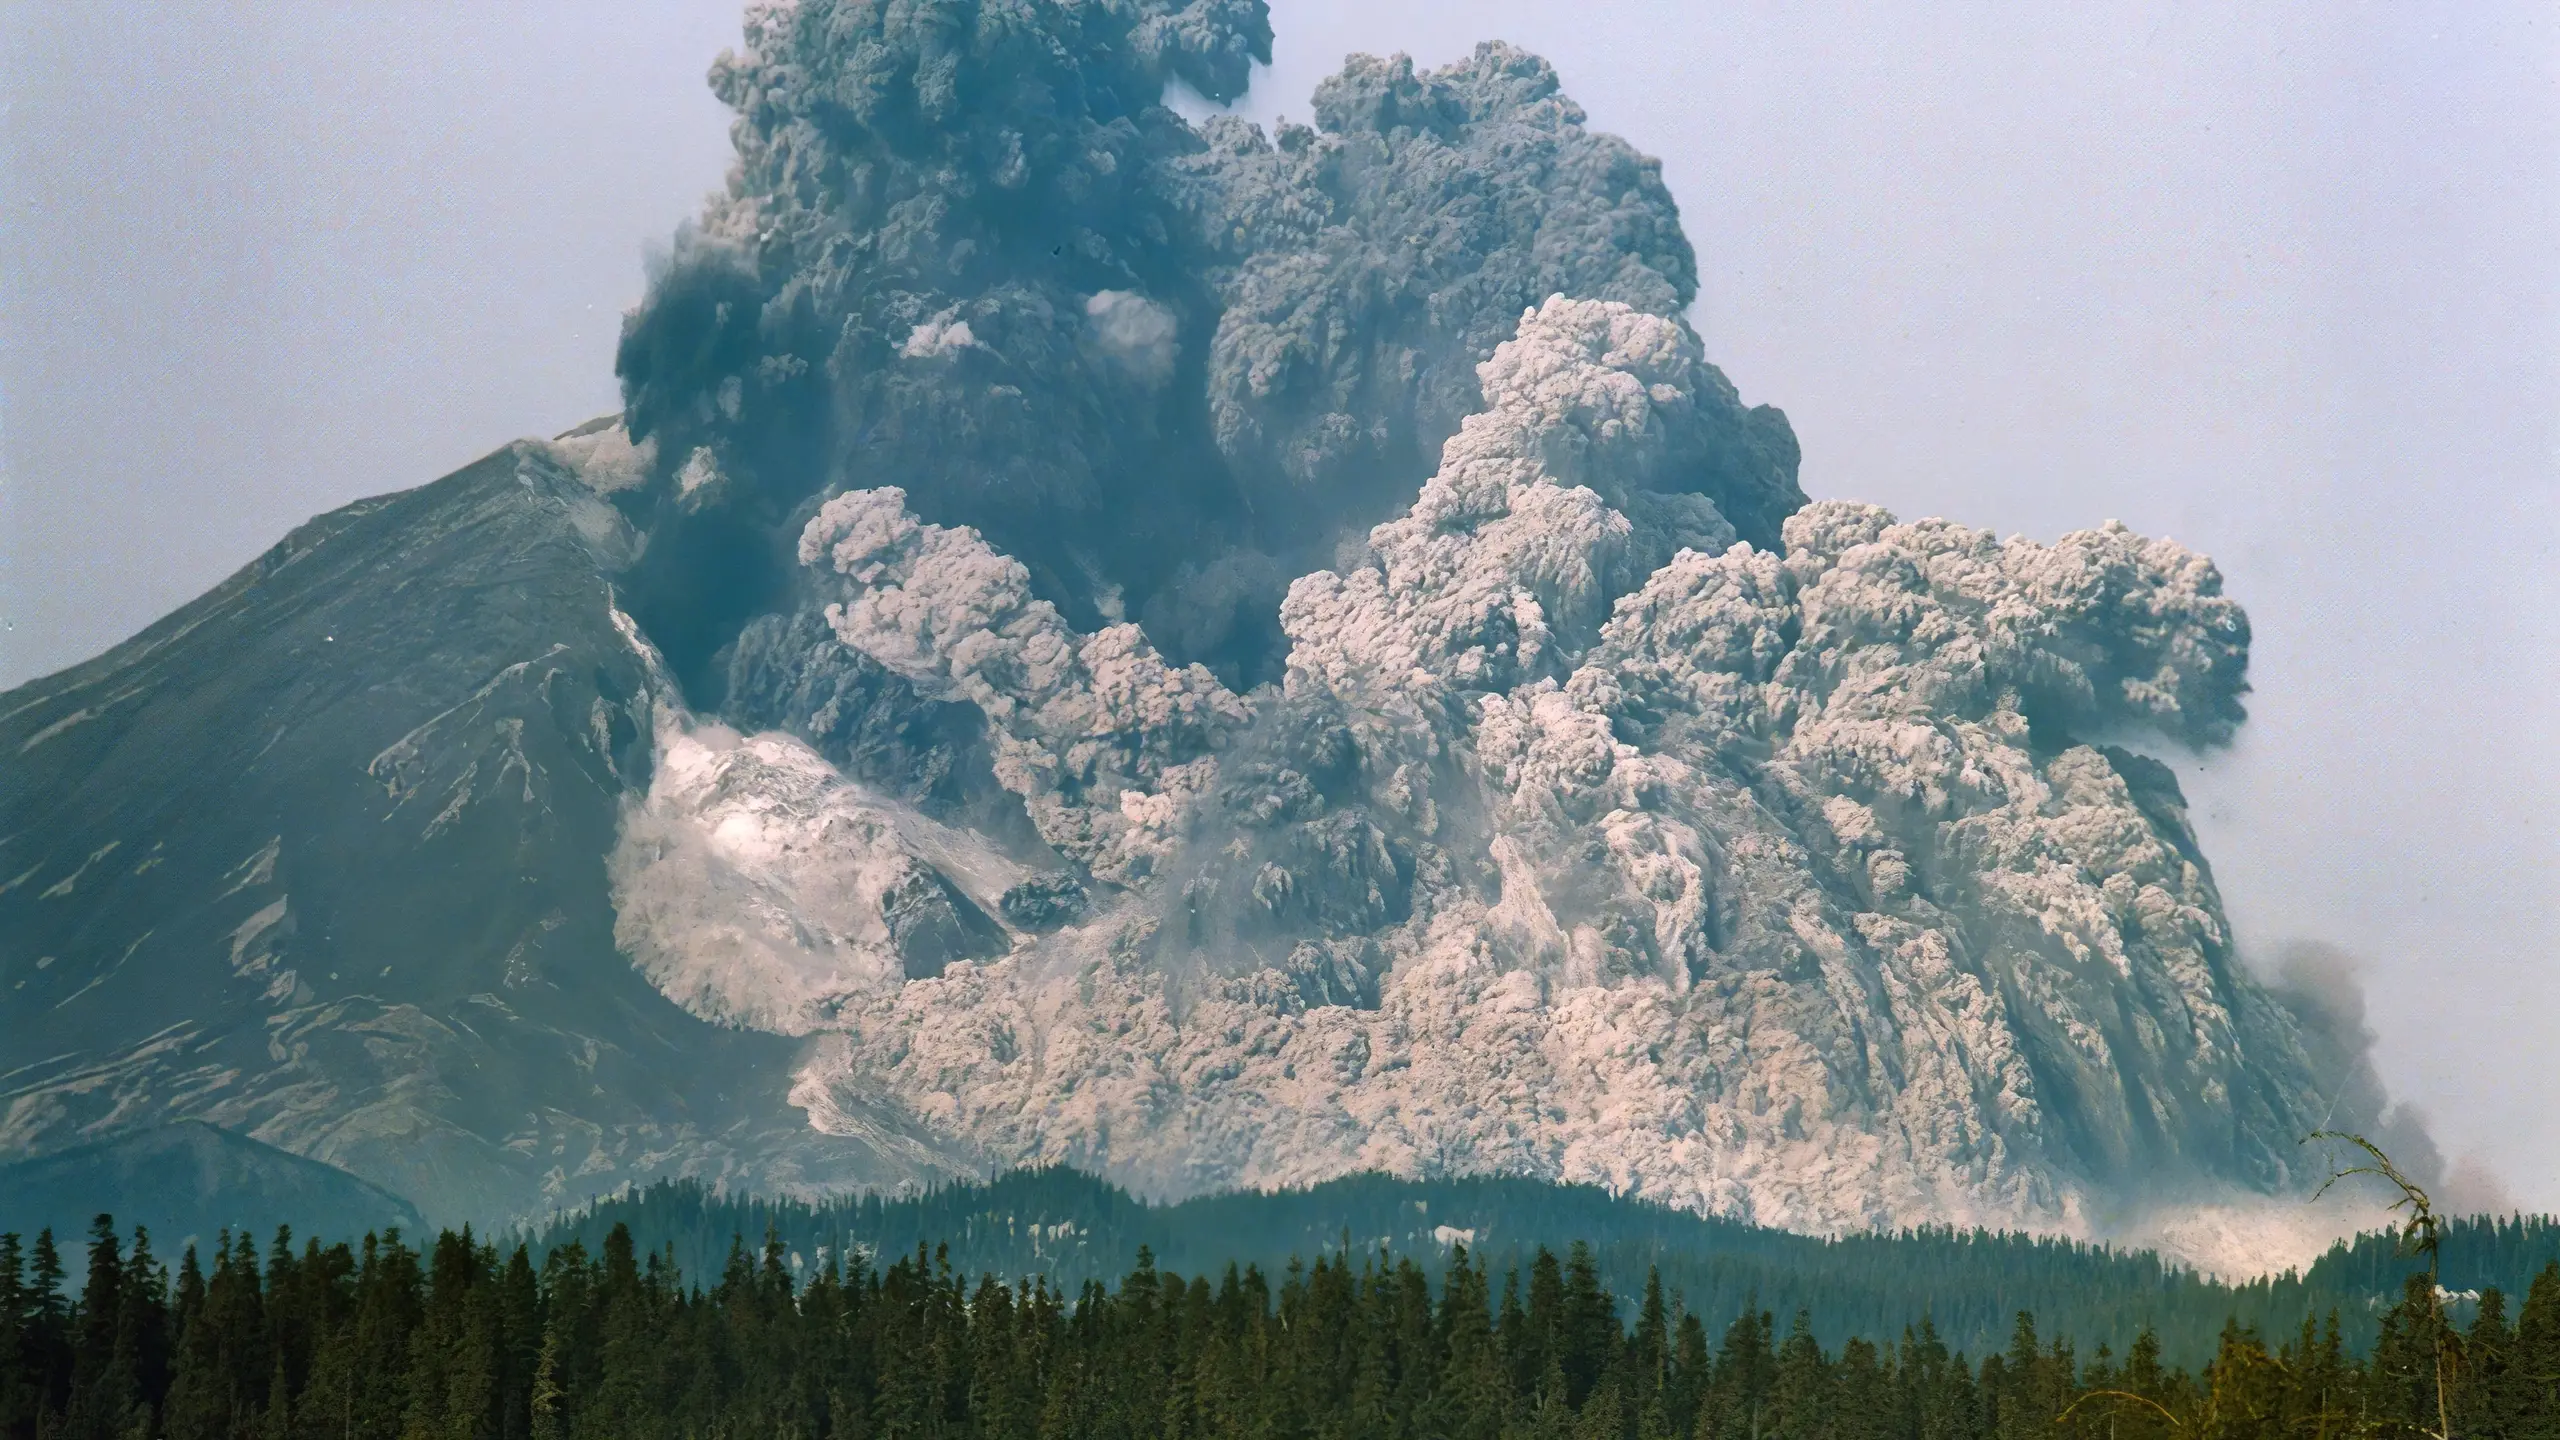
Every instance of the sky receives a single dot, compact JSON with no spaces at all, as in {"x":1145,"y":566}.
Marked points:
{"x":2279,"y":279}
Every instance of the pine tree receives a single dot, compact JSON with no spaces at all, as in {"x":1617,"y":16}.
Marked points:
{"x":276,"y":1422}
{"x":1746,"y":1366}
{"x":1604,"y":1415}
{"x":1862,"y":1406}
{"x":1800,"y":1392}
{"x":1936,"y":1394}
{"x":2244,"y":1388}
{"x":2480,"y":1405}
{"x":47,"y":1362}
{"x":1474,"y":1394}
{"x":1692,"y":1367}
{"x":518,"y":1301}
{"x":186,"y":1414}
{"x":103,"y":1393}
{"x":2403,"y":1369}
{"x":1521,"y":1363}
{"x":2533,"y":1373}
{"x":1541,"y":1338}
{"x":626,"y":1401}
{"x":19,"y":1384}
{"x":1589,"y":1336}
{"x":142,"y":1336}
{"x":1649,"y":1349}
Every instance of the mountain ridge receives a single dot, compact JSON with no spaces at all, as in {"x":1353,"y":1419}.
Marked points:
{"x":1071,"y":1227}
{"x":188,"y":1182}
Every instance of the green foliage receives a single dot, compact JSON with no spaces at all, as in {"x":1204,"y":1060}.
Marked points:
{"x":463,"y":1339}
{"x":1970,"y":1285}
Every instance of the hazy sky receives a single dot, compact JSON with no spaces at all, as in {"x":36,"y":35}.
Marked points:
{"x":2279,"y":279}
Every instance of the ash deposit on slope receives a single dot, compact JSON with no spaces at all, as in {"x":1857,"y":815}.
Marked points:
{"x":1231,"y":658}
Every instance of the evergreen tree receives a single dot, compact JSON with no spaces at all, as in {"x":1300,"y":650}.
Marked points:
{"x":2532,"y":1385}
{"x":464,"y":1342}
{"x":1474,"y":1391}
{"x":1746,"y":1368}
{"x":2401,"y":1380}
{"x":101,"y":1395}
{"x":18,"y":1381}
{"x":1862,"y":1405}
{"x":1800,"y":1391}
{"x":141,"y":1359}
{"x":1588,"y":1335}
{"x":46,"y":1362}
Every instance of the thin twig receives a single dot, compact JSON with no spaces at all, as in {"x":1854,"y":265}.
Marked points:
{"x":2421,"y":1234}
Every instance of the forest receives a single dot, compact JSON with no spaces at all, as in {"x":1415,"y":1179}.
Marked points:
{"x":1072,"y":1227}
{"x":463,"y":1339}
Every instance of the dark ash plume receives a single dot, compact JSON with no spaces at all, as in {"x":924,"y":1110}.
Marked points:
{"x":967,"y":251}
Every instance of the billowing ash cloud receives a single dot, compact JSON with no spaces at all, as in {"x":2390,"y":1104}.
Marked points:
{"x":1277,"y":654}
{"x":1583,"y":839}
{"x":2319,"y":983}
{"x":967,"y":252}
{"x":1103,"y":741}
{"x":1135,"y":332}
{"x":1384,"y":254}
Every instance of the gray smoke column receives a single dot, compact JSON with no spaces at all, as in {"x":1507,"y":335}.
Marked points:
{"x":967,"y":252}
{"x":2320,"y":985}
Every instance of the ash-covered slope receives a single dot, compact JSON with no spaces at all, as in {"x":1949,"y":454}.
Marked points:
{"x":1222,"y":658}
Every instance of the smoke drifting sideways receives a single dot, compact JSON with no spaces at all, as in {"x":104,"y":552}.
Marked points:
{"x":967,"y":251}
{"x":2318,"y":983}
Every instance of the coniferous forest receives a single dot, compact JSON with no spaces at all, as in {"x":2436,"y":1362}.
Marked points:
{"x":464,"y":1340}
{"x":1072,"y":1227}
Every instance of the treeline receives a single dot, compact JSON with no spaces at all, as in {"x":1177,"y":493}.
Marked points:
{"x":461,"y":1341}
{"x":1073,"y":1227}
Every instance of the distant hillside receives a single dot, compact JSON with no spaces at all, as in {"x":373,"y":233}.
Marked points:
{"x":190,"y":1181}
{"x":1073,"y":1227}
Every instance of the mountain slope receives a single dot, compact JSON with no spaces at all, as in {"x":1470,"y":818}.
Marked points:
{"x":320,"y":858}
{"x":188,"y":1182}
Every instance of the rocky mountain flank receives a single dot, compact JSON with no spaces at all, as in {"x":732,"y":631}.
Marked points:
{"x":320,"y":858}
{"x":1223,"y":658}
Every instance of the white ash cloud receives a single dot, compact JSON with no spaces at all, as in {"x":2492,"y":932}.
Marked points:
{"x":1105,"y":742}
{"x":1774,"y":884}
{"x":756,"y":886}
{"x":601,"y":454}
{"x":1136,"y":332}
{"x":938,"y":336}
{"x":1598,"y":810}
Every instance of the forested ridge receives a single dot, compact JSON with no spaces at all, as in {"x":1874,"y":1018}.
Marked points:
{"x":462,"y":1340}
{"x":1971,"y":1284}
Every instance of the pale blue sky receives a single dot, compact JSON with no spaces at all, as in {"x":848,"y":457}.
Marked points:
{"x":2281,"y":279}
